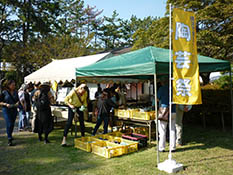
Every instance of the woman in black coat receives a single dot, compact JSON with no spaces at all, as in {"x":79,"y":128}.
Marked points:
{"x":44,"y":120}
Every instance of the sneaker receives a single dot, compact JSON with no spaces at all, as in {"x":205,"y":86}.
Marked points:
{"x":64,"y":142}
{"x":10,"y":143}
{"x":46,"y":141}
{"x":162,"y":150}
{"x":40,"y":139}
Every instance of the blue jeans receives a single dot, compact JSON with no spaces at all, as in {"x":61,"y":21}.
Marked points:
{"x":100,"y":119}
{"x":21,"y":119}
{"x":10,"y":117}
{"x":27,"y":118}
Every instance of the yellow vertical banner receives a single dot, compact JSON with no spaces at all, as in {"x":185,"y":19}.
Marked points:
{"x":54,"y":86}
{"x":186,"y":85}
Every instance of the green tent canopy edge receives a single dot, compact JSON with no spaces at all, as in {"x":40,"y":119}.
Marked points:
{"x":143,"y":64}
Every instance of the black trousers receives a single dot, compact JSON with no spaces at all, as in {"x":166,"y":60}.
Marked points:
{"x":100,"y":119}
{"x":70,"y":120}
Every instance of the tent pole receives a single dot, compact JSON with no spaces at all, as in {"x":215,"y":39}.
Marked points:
{"x":75,"y":123}
{"x":231,"y":100}
{"x":156,"y":115}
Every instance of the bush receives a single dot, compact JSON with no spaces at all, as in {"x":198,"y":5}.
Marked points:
{"x":223,"y":82}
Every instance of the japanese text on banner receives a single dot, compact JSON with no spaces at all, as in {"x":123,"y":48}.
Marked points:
{"x":186,"y":85}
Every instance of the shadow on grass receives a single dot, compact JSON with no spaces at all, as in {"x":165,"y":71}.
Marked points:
{"x":205,"y":139}
{"x":202,"y":161}
{"x":43,"y":158}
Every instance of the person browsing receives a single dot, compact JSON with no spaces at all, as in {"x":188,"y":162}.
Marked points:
{"x":77,"y":103}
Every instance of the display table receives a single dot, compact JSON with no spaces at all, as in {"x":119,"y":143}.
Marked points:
{"x":59,"y":111}
{"x":131,"y":121}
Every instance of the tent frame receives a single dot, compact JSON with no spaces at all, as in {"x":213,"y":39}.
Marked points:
{"x":231,"y":99}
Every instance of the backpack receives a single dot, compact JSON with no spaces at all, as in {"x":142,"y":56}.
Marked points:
{"x":43,"y":103}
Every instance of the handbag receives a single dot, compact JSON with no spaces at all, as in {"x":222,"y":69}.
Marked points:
{"x":163,"y":113}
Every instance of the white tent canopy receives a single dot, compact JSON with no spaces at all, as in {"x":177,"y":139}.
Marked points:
{"x":62,"y":70}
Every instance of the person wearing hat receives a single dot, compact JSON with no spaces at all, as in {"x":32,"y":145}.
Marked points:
{"x":77,"y":103}
{"x":44,"y":121}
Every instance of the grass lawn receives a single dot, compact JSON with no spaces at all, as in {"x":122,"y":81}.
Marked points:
{"x":206,"y":152}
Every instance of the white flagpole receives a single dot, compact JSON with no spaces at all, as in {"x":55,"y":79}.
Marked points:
{"x":170,"y":80}
{"x":170,"y":165}
{"x":156,"y":114}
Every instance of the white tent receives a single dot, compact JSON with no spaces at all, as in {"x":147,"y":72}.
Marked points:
{"x":62,"y":70}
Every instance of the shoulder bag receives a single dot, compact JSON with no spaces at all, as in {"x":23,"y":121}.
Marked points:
{"x":163,"y":113}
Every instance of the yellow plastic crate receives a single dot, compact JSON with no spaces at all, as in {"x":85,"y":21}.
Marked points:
{"x":116,"y":133}
{"x":150,"y":115}
{"x":123,"y":113}
{"x":107,"y":149}
{"x":103,"y":137}
{"x":129,"y":146}
{"x":84,"y":143}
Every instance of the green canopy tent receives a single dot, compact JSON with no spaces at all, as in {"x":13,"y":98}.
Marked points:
{"x":143,"y":64}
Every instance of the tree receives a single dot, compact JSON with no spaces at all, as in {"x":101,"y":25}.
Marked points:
{"x":155,"y":34}
{"x":40,"y":52}
{"x":110,"y":33}
{"x":214,"y":26}
{"x":22,"y":22}
{"x":129,"y":27}
{"x":71,"y":21}
{"x":214,"y":29}
{"x":93,"y":24}
{"x":33,"y":17}
{"x":7,"y":26}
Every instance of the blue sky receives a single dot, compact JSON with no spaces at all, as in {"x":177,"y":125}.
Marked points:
{"x":127,"y":8}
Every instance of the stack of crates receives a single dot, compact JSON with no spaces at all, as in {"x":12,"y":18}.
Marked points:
{"x":106,"y":145}
{"x":115,"y":137}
